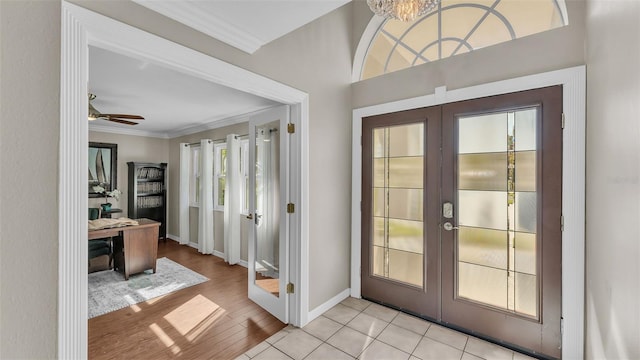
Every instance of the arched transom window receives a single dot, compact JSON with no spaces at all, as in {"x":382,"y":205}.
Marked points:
{"x":457,"y":27}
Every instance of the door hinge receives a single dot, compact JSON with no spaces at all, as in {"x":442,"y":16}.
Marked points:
{"x":561,"y":222}
{"x":563,"y":120}
{"x":291,"y":128}
{"x":290,"y":288}
{"x":290,"y":208}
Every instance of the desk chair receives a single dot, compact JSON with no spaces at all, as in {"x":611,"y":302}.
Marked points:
{"x":100,"y":254}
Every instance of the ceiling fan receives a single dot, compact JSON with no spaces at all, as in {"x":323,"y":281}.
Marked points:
{"x":119,"y":118}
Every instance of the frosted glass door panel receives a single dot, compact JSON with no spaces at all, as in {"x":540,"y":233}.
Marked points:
{"x":405,"y":172}
{"x":485,"y":209}
{"x":525,"y":254}
{"x":482,"y":284}
{"x":403,"y":265}
{"x":379,"y":231}
{"x":525,"y":128}
{"x":526,"y":301}
{"x":497,"y":210}
{"x":483,"y":171}
{"x":406,"y":235}
{"x":525,"y":171}
{"x":407,"y":140}
{"x":482,"y":134}
{"x":398,"y":204}
{"x":526,"y":211}
{"x":406,"y":204}
{"x":483,"y":247}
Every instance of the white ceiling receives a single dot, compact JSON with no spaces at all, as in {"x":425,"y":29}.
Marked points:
{"x":171,"y":102}
{"x":174,"y":103}
{"x":244,"y":24}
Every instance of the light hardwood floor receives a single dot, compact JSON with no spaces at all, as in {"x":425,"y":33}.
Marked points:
{"x":212,"y":320}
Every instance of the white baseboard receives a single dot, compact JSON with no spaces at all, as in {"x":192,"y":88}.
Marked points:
{"x":219,"y":254}
{"x":328,"y":305}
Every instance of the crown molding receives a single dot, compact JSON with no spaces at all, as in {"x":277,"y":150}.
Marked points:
{"x":213,"y":123}
{"x":218,"y":122}
{"x":190,"y":14}
{"x":127,"y":131}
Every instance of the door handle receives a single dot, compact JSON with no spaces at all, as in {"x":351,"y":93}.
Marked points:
{"x":447,"y":226}
{"x":250,"y":216}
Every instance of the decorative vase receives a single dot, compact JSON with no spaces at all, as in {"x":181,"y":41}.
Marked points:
{"x":106,"y":207}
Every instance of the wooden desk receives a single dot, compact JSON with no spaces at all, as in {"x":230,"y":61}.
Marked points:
{"x":135,"y":247}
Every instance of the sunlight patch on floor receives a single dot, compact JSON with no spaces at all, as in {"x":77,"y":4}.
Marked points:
{"x":166,"y":339}
{"x":194,"y":316}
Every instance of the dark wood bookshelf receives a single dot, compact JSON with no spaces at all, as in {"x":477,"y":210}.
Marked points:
{"x":148,"y":193}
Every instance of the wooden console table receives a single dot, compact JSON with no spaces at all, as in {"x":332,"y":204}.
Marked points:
{"x":135,"y":247}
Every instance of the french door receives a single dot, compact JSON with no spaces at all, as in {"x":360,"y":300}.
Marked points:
{"x":268,"y":189}
{"x":462,"y":215}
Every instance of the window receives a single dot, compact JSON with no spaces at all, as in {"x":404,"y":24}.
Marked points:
{"x":457,"y":27}
{"x":194,"y":176}
{"x":219,"y":175}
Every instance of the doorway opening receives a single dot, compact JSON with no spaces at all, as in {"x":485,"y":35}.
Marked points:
{"x":81,"y":28}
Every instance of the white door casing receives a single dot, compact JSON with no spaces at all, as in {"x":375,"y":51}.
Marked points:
{"x":81,"y":28}
{"x":573,"y":81}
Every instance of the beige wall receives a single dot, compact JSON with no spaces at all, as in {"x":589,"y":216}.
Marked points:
{"x":29,"y":128}
{"x":551,"y":50}
{"x":138,"y":149}
{"x":613,"y":180}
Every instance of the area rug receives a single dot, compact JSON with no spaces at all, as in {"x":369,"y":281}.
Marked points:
{"x":108,"y":291}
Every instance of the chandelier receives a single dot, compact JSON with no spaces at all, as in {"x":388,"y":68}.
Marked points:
{"x":403,"y":10}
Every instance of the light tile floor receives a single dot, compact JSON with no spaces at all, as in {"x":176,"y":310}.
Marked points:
{"x":360,"y":329}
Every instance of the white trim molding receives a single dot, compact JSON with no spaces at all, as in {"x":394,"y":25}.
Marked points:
{"x":188,"y":13}
{"x":573,"y":81}
{"x":363,"y":46}
{"x":81,"y":28}
{"x":324,"y":307}
{"x":72,"y":193}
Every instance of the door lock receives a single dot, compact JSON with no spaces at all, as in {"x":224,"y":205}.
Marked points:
{"x":447,"y":226}
{"x":447,"y":210}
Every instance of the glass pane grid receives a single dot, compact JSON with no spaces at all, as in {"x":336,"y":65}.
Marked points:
{"x":398,"y":235}
{"x":456,"y":27}
{"x":497,"y":202}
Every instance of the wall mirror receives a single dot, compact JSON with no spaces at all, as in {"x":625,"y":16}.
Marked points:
{"x":103,"y":165}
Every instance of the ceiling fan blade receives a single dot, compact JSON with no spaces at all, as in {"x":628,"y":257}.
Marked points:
{"x":121,"y":121}
{"x":124,"y":116}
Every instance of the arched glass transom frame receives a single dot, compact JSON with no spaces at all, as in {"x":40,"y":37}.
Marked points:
{"x":455,"y":27}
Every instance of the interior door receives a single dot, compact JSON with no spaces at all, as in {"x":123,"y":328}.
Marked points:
{"x":465,"y":228}
{"x":268,"y":189}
